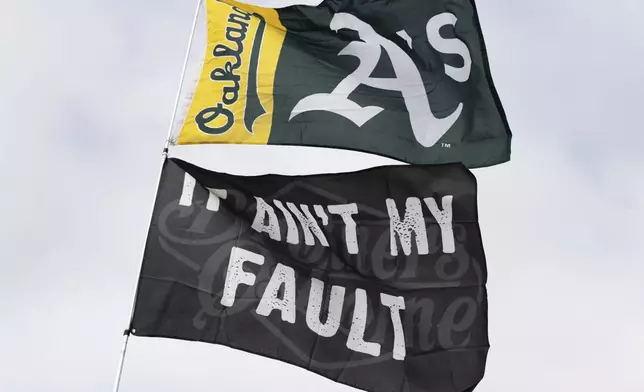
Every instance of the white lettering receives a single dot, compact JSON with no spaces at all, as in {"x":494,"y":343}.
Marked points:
{"x":449,"y":46}
{"x":319,"y":211}
{"x":188,"y":191}
{"x":273,"y":227}
{"x":350,"y":234}
{"x":308,"y":224}
{"x":269,"y":302}
{"x":214,"y":198}
{"x":404,"y":35}
{"x":356,"y":341}
{"x":395,"y":304}
{"x":414,"y":222}
{"x":292,"y":236}
{"x":235,"y":275}
{"x":314,"y":309}
{"x":444,"y":219}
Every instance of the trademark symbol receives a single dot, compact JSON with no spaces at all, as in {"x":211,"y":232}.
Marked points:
{"x":446,"y":145}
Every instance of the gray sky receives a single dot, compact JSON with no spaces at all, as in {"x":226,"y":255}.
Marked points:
{"x":86,"y":92}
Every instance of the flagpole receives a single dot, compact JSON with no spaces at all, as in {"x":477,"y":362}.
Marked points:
{"x":183,"y":76}
{"x":127,"y":332}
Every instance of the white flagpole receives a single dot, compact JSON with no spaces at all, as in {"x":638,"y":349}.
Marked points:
{"x":119,"y":372}
{"x":127,"y":332}
{"x":183,"y":76}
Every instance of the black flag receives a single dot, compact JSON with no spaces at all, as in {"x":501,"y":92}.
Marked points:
{"x":374,"y":279}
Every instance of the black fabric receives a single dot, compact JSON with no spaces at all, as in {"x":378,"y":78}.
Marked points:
{"x":444,"y":322}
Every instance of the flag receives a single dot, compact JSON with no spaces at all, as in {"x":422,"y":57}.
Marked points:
{"x":406,"y":79}
{"x":374,"y":279}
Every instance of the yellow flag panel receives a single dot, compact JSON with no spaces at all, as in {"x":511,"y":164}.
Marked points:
{"x":233,"y":102}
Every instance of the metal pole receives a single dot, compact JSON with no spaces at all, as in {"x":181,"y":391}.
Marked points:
{"x":119,"y":372}
{"x":183,"y":76}
{"x":127,"y":332}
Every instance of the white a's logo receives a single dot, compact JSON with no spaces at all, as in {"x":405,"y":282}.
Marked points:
{"x":426,"y":127}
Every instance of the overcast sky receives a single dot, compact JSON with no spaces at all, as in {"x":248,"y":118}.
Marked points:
{"x":86,"y":94}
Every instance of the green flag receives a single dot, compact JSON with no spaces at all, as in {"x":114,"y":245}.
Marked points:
{"x":406,"y":79}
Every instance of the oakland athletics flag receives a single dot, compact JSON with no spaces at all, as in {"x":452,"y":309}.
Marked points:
{"x":407,"y":79}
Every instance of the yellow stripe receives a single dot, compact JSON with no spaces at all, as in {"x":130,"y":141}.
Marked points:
{"x":213,"y":99}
